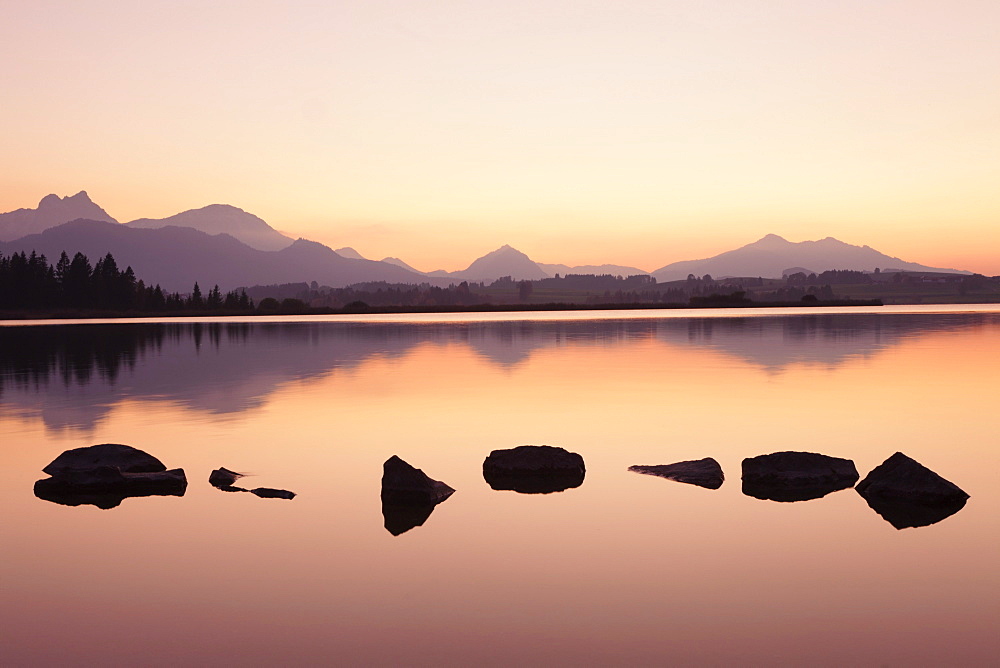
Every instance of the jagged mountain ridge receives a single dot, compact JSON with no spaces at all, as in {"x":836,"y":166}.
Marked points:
{"x":52,"y":210}
{"x":769,"y":256}
{"x":222,"y":219}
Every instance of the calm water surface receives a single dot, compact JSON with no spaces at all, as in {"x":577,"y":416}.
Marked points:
{"x":624,"y":570}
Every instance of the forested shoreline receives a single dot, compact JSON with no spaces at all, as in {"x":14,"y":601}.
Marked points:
{"x":28,"y":283}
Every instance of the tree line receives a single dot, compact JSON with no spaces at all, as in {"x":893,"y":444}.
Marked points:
{"x":30,"y":283}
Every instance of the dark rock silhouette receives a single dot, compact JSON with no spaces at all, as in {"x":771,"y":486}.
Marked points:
{"x":534,"y":469}
{"x":122,"y":457}
{"x":702,"y":472}
{"x":404,"y":484}
{"x":268,"y":493}
{"x":796,"y":476}
{"x":907,"y":494}
{"x":104,"y":475}
{"x":408,"y":495}
{"x":223,"y":478}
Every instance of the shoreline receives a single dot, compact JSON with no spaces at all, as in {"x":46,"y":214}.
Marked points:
{"x":82,"y":314}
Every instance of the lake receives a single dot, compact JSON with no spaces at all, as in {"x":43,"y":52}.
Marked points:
{"x":626,"y":569}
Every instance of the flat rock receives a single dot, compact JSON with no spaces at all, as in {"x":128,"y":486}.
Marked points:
{"x":122,"y":457}
{"x":404,"y":484}
{"x":908,"y":494}
{"x":268,"y":493}
{"x":534,"y":459}
{"x":534,"y":469}
{"x":111,"y":478}
{"x":796,"y":476}
{"x":702,"y":472}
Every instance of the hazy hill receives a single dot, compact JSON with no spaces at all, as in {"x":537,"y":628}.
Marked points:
{"x":222,"y":219}
{"x":596,"y":269}
{"x":504,"y":261}
{"x":176,"y":257}
{"x":771,"y":255}
{"x":399,"y":263}
{"x":349,"y":252}
{"x":52,"y":210}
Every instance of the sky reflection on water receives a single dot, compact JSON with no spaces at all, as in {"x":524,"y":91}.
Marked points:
{"x":622,"y":569}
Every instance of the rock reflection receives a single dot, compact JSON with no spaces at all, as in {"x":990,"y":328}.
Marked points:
{"x":49,"y":489}
{"x":904,"y":514}
{"x":400,"y":518}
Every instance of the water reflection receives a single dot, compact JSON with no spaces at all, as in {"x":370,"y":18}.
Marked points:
{"x":73,"y":375}
{"x":905,"y":514}
{"x":400,"y":518}
{"x":50,"y":489}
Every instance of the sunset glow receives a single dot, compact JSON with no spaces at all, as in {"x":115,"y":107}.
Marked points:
{"x":636,"y":133}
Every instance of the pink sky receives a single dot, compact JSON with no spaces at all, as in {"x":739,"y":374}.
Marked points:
{"x":637,"y":133}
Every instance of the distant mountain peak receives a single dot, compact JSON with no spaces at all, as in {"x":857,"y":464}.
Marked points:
{"x":504,"y":261}
{"x":771,"y":240}
{"x":52,"y":211}
{"x":772,"y":255}
{"x":223,"y":219}
{"x":349,"y":253}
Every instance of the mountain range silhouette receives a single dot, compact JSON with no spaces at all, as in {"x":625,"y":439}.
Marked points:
{"x":223,"y":245}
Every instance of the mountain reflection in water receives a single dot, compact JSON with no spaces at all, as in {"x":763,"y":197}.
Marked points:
{"x":224,"y":368}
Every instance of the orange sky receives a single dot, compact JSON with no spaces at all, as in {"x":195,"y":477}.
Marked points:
{"x":637,"y":133}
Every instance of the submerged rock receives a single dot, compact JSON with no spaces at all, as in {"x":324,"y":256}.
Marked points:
{"x":534,"y":469}
{"x":796,"y":476}
{"x":404,"y":484}
{"x":125,"y":458}
{"x":106,"y":474}
{"x":223,"y":478}
{"x":268,"y":493}
{"x":702,"y":472}
{"x":907,"y":494}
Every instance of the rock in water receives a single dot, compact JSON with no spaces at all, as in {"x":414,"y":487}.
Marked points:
{"x":404,"y":484}
{"x":534,"y":469}
{"x":223,"y":478}
{"x":702,"y":472}
{"x":268,"y":493}
{"x":796,"y":476}
{"x":104,"y":475}
{"x":907,"y":494}
{"x":122,"y":457}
